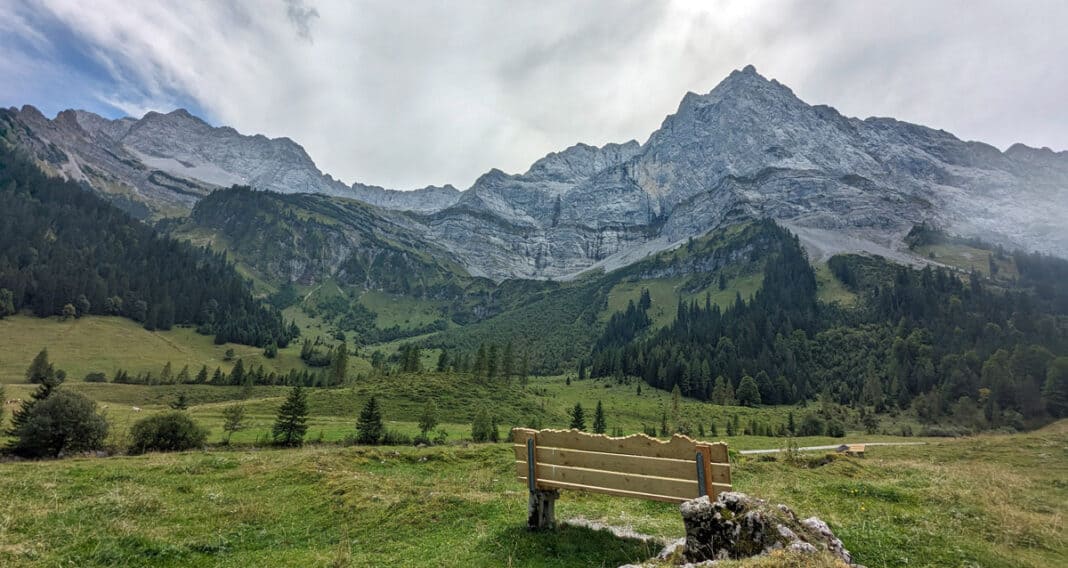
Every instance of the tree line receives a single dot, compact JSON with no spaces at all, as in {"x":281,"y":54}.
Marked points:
{"x":943,"y":344}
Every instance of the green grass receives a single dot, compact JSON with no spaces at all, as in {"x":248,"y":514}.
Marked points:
{"x":986,"y":501}
{"x":968,"y":258}
{"x":830,"y":289}
{"x":105,"y":344}
{"x":665,"y":294}
{"x":401,"y":311}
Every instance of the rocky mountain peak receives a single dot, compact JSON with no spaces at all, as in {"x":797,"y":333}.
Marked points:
{"x":582,"y":161}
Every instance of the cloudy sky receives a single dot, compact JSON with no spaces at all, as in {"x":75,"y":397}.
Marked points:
{"x":406,"y":94}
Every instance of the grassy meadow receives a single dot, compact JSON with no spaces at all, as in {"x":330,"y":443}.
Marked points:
{"x":992,"y":500}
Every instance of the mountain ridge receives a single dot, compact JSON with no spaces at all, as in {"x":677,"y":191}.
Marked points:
{"x":749,"y":148}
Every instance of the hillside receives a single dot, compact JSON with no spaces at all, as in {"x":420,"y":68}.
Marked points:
{"x":908,"y":506}
{"x":68,"y":252}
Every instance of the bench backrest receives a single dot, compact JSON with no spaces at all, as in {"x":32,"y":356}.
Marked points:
{"x":635,"y":466}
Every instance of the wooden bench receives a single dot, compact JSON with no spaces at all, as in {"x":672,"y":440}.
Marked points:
{"x":635,"y":466}
{"x":856,"y":450}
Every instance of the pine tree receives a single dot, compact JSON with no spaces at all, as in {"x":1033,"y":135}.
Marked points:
{"x":339,"y":369}
{"x":524,"y":369}
{"x":181,"y":402}
{"x":599,"y":425}
{"x":1055,"y":389}
{"x":578,"y":417}
{"x":183,"y":376}
{"x":664,"y":432}
{"x":493,"y":364}
{"x":713,"y":431}
{"x":237,"y":375}
{"x":369,"y":428}
{"x":790,"y":424}
{"x":481,"y":366}
{"x":202,"y":375}
{"x":166,"y":376}
{"x":292,"y":421}
{"x":507,"y":361}
{"x":40,"y":370}
{"x":443,"y":361}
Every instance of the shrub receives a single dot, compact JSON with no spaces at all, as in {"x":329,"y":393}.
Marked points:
{"x":66,"y":422}
{"x":836,"y":429}
{"x":169,"y":432}
{"x":96,"y":377}
{"x":811,"y":425}
{"x":394,"y":438}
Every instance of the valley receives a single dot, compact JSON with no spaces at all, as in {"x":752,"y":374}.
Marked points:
{"x":333,"y":369}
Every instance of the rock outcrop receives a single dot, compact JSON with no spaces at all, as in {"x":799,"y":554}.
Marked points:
{"x":750,"y":148}
{"x":738,"y":526}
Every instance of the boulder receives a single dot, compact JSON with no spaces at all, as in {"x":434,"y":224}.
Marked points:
{"x":736,"y":525}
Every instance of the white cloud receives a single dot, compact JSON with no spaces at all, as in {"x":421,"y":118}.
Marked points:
{"x":413,"y":93}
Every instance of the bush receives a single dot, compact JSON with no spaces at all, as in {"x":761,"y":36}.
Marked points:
{"x":96,"y":377}
{"x":836,"y":429}
{"x":394,"y":438}
{"x":64,"y":423}
{"x":170,"y":432}
{"x":811,"y":425}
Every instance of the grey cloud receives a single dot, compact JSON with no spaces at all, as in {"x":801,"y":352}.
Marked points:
{"x":301,"y":16}
{"x":407,"y":94}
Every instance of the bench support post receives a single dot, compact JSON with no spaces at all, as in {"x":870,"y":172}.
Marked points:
{"x":540,"y":515}
{"x":540,"y":509}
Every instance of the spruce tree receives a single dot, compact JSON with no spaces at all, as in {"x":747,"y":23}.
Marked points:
{"x":202,"y":375}
{"x":443,"y":361}
{"x":166,"y":376}
{"x":578,"y":417}
{"x":339,"y":368}
{"x":480,"y":362}
{"x":493,"y":363}
{"x":292,"y":422}
{"x":181,"y":402}
{"x":524,"y":369}
{"x":369,"y":428}
{"x":237,"y":375}
{"x":507,"y":361}
{"x":40,"y":370}
{"x":599,"y":425}
{"x":1055,"y":389}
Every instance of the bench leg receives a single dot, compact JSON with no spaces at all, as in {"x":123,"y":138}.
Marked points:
{"x":540,"y":510}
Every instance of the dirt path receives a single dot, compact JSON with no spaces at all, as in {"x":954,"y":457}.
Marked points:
{"x":815,"y":448}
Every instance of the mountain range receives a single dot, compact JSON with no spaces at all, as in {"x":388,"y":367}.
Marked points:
{"x":749,"y":148}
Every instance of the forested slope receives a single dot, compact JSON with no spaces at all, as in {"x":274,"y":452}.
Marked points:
{"x":65,"y":251}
